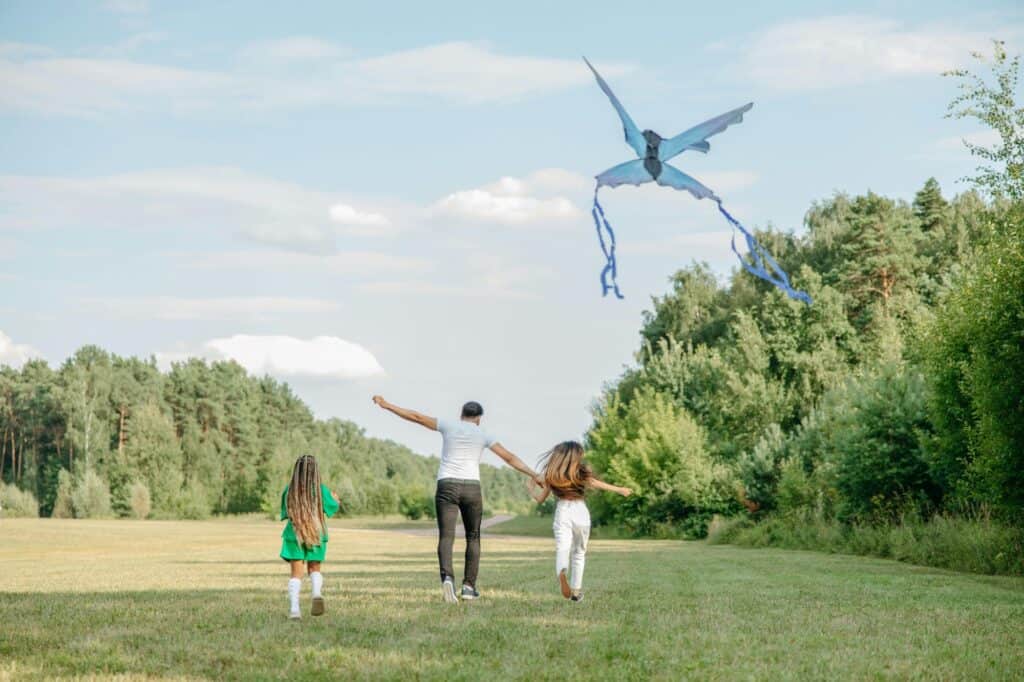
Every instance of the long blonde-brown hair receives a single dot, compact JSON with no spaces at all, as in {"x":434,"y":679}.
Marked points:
{"x":305,"y":503}
{"x":565,"y":472}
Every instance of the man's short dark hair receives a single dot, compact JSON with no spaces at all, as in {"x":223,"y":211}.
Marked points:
{"x":472,"y":409}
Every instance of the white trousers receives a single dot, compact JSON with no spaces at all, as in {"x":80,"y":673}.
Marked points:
{"x":572,"y":530}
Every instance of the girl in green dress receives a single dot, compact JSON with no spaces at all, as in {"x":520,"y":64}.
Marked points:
{"x":306,"y":503}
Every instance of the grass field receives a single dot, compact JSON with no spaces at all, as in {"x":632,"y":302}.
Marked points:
{"x":207,"y":600}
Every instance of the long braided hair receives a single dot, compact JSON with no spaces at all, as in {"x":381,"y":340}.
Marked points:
{"x":305,"y":503}
{"x":565,"y":472}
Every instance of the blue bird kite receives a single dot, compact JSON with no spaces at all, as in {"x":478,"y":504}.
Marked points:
{"x":652,"y":166}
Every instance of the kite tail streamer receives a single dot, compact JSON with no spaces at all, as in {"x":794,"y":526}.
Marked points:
{"x":610,"y":268}
{"x":759,"y":255}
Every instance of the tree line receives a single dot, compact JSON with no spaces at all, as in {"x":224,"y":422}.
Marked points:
{"x":104,"y":435}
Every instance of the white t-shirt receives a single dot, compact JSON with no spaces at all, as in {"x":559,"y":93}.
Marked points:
{"x":464,"y":443}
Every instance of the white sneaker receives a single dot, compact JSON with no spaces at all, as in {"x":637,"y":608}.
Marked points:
{"x":448,"y":591}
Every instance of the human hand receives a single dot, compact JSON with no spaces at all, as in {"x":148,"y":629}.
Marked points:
{"x":379,"y":401}
{"x":625,"y":492}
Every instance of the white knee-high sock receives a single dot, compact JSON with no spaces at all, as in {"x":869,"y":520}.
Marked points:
{"x":294,"y":585}
{"x":317,"y":578}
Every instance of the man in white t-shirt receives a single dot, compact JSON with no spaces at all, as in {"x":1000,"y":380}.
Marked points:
{"x":458,"y":487}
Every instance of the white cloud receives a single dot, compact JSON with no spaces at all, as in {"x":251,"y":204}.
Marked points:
{"x":490,"y":278}
{"x":130,"y":45}
{"x":15,"y":355}
{"x":479,"y":204}
{"x":295,"y":48}
{"x":460,"y":72}
{"x":226,"y":308}
{"x":344,"y":262}
{"x":90,"y":87}
{"x":287,"y":356}
{"x":516,"y":201}
{"x":838,"y":51}
{"x":469,"y":72}
{"x":347,"y":215}
{"x":261,"y":209}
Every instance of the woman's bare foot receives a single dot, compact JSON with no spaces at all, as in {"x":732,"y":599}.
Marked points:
{"x":564,"y":583}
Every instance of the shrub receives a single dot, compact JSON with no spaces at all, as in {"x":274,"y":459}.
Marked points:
{"x":91,"y":497}
{"x":351,"y":500}
{"x":758,"y":470}
{"x":192,"y":502}
{"x":63,"y":508}
{"x":139,"y":500}
{"x":15,"y":502}
{"x":723,"y":530}
{"x":880,"y":467}
{"x":415,"y":504}
{"x":381,"y":498}
{"x":977,"y":543}
{"x":796,"y":489}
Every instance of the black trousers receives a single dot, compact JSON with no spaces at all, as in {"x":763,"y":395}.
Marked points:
{"x":455,"y":495}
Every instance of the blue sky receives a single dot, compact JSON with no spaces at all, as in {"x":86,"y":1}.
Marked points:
{"x":393,"y":197}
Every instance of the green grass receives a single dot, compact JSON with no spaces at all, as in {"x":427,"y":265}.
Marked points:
{"x":973,"y":544}
{"x":528,"y":526}
{"x":540,"y":527}
{"x":139,"y":599}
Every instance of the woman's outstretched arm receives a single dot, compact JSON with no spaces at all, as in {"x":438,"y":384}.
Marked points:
{"x":601,"y":485}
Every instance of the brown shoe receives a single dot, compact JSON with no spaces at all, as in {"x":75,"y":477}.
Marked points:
{"x":564,"y":582}
{"x":318,"y":606}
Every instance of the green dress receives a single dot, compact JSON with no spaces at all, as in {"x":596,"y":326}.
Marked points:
{"x":291,"y":550}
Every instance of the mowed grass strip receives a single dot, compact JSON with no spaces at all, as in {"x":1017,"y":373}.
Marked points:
{"x":206,"y":600}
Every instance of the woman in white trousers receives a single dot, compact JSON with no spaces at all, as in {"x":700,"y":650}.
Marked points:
{"x":568,"y":477}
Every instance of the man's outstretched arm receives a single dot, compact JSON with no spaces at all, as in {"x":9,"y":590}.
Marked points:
{"x":408,"y":415}
{"x":515,"y":462}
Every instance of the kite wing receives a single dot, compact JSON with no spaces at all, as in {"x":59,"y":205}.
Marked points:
{"x":634,"y":138}
{"x":696,"y":137}
{"x":628,"y":173}
{"x":677,"y":179}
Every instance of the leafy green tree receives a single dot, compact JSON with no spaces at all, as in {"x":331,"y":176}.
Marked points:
{"x":381,"y":498}
{"x":880,"y":263}
{"x":63,"y":506}
{"x":91,"y":497}
{"x":695,"y":312}
{"x":653,"y":447}
{"x":880,"y":467}
{"x":995,"y":106}
{"x":154,"y":457}
{"x":139,"y":500}
{"x":85,"y":390}
{"x":974,"y":353}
